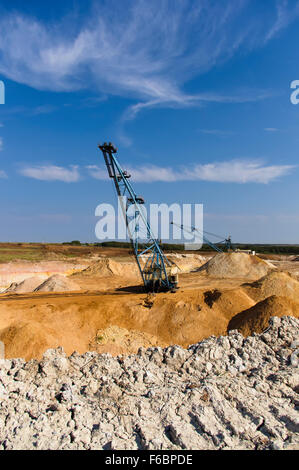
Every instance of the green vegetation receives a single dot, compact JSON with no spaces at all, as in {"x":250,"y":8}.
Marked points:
{"x":40,"y":252}
{"x":259,"y":248}
{"x":165,"y":246}
{"x":19,"y":252}
{"x":74,"y":243}
{"x":271,"y":249}
{"x":32,"y":252}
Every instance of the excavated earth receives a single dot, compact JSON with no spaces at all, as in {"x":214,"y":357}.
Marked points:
{"x":104,"y":309}
{"x":228,"y":392}
{"x":134,"y":391}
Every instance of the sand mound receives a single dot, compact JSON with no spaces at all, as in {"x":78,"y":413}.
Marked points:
{"x":108,"y":267}
{"x":75,"y":321}
{"x":236,"y":265}
{"x":23,"y":338}
{"x":256,"y":319}
{"x":187,"y":263}
{"x":26,"y":286}
{"x":274,"y":283}
{"x":57,"y":283}
{"x":116,"y":340}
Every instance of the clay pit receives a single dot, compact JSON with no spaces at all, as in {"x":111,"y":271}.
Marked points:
{"x":99,"y":305}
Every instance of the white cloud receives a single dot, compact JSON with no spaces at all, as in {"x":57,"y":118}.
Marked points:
{"x":239,"y":171}
{"x":52,"y":173}
{"x":97,"y":172}
{"x":144,"y":50}
{"x":216,"y":132}
{"x":43,"y":109}
{"x":271,"y":129}
{"x":286,"y":12}
{"x":1,"y":144}
{"x":3,"y":174}
{"x":29,"y":111}
{"x":234,"y":171}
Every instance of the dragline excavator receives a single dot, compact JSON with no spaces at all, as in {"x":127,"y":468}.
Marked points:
{"x":158,"y":273}
{"x":223,"y":243}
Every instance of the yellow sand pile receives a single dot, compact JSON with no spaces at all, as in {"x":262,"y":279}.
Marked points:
{"x":26,"y":337}
{"x":187,"y":262}
{"x":236,"y":265}
{"x":274,"y":283}
{"x":108,"y":267}
{"x":57,"y":283}
{"x":256,"y":319}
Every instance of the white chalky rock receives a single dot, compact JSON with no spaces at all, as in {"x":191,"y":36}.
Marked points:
{"x":221,"y":393}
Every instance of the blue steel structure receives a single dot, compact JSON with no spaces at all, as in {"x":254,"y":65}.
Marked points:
{"x":157,"y":272}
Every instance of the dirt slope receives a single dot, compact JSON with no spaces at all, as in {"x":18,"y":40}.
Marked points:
{"x":25,"y":337}
{"x":73,"y":320}
{"x":256,"y":319}
{"x":122,"y":341}
{"x":274,"y":283}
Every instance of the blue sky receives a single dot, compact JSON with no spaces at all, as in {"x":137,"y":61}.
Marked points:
{"x":195,"y":95}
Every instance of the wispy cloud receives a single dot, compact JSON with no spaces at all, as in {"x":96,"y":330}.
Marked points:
{"x":234,"y":171}
{"x":42,"y":109}
{"x":216,"y":132}
{"x":143,"y":50}
{"x":3,"y":174}
{"x":97,"y":172}
{"x":28,"y":111}
{"x":286,"y":12}
{"x":271,"y":129}
{"x":239,"y":171}
{"x":52,"y":173}
{"x":1,"y":144}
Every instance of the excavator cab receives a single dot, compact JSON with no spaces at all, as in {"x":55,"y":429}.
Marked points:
{"x":139,"y":200}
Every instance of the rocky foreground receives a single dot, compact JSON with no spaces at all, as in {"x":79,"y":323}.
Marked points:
{"x":222,"y":393}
